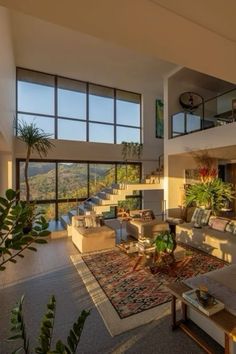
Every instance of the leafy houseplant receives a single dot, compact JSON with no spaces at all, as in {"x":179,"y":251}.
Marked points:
{"x":13,"y":241}
{"x":46,"y":331}
{"x":211,"y":195}
{"x":165,"y":243}
{"x":36,"y":140}
{"x":13,"y":219}
{"x":131,"y":150}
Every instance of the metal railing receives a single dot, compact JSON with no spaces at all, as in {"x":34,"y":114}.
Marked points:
{"x":214,"y":112}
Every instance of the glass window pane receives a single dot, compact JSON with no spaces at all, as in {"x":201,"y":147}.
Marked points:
{"x":71,"y":98}
{"x":100,"y":176}
{"x":35,"y":92}
{"x":72,"y":180}
{"x":71,"y":130}
{"x":127,"y":134}
{"x":42,"y":180}
{"x":193,"y":123}
{"x":178,"y":125}
{"x":128,"y":108}
{"x":101,"y":104}
{"x":64,"y":208}
{"x":44,"y":123}
{"x":101,"y":133}
{"x":128,"y":172}
{"x":48,"y":209}
{"x":130,"y":204}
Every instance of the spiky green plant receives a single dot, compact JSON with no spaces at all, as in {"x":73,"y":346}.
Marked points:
{"x":19,"y":331}
{"x":36,"y":140}
{"x":211,"y":195}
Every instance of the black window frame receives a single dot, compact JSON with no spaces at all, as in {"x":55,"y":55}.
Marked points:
{"x":55,"y":116}
{"x":57,"y":200}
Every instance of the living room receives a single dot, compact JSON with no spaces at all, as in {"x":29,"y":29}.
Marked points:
{"x":39,"y":44}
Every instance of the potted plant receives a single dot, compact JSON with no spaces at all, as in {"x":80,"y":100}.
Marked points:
{"x":131,"y":150}
{"x":165,"y":244}
{"x":36,"y":140}
{"x":213,"y":195}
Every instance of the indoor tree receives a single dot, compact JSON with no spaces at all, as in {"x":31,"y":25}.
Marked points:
{"x":36,"y":140}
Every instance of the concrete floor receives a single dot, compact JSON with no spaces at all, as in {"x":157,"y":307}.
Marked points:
{"x":50,"y":271}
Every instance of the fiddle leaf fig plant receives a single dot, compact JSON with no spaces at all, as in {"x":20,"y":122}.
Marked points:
{"x":14,"y":216}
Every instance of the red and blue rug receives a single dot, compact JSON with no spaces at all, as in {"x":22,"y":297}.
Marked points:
{"x":131,"y":292}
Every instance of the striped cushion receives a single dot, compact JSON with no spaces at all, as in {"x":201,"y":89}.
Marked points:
{"x":201,"y":216}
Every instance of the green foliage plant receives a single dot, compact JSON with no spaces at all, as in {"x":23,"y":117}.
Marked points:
{"x":211,"y":195}
{"x":36,"y":140}
{"x":19,"y":331}
{"x":165,"y":242}
{"x":131,"y":150}
{"x":14,"y":218}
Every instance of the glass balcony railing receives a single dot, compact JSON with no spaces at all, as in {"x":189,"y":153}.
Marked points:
{"x":214,"y":112}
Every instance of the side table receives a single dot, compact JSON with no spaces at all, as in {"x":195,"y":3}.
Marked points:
{"x":223,"y":319}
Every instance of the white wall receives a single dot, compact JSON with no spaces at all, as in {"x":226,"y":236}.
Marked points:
{"x":46,"y":47}
{"x":147,"y":28}
{"x":7,"y":97}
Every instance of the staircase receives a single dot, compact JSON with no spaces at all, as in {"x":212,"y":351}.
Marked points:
{"x":110,"y":197}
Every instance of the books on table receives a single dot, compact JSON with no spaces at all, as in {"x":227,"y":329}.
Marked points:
{"x":216,"y":306}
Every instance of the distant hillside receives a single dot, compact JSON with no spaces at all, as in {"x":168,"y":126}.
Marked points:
{"x":72,"y":179}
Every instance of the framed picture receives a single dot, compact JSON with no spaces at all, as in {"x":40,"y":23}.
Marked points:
{"x":159,"y":119}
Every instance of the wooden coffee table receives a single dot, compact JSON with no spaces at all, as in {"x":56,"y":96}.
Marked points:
{"x":223,"y":319}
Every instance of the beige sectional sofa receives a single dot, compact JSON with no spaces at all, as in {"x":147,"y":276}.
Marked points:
{"x":89,"y":239}
{"x":138,"y":226}
{"x":221,"y":244}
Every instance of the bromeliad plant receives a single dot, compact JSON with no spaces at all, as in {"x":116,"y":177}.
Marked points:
{"x":213,"y":195}
{"x":46,"y":331}
{"x":14,"y":218}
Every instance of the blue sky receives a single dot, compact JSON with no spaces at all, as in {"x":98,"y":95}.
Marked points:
{"x":39,"y":99}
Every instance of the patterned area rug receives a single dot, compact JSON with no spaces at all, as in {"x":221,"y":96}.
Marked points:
{"x":131,"y":292}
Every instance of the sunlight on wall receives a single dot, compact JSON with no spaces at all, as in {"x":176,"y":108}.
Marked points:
{"x":9,"y":174}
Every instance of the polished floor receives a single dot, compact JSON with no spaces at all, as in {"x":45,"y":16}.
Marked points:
{"x":50,"y":271}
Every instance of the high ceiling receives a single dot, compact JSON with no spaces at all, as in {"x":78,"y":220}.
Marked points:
{"x":195,"y":34}
{"x":54,"y":49}
{"x":216,"y":15}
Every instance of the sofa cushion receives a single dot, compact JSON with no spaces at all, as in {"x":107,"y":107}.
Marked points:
{"x":219,"y":224}
{"x":218,"y":243}
{"x":201,"y":216}
{"x":231,"y":226}
{"x":145,"y":214}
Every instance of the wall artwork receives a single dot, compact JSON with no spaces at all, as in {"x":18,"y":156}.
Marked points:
{"x":159,"y":119}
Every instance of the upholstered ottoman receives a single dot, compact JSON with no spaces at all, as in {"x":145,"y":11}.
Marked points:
{"x":93,"y":238}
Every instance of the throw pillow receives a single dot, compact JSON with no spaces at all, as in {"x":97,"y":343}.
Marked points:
{"x":201,"y":216}
{"x":148,"y":215}
{"x":219,"y":224}
{"x":205,"y":217}
{"x":231,"y":227}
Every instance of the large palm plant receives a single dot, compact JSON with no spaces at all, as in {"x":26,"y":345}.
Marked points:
{"x":36,"y":140}
{"x":211,"y":195}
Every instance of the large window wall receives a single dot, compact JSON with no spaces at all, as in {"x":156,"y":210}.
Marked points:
{"x":59,"y":186}
{"x":75,"y":110}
